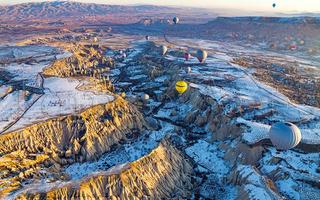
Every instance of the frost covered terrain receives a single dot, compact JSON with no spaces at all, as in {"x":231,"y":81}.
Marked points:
{"x":140,"y":138}
{"x":36,"y":98}
{"x":219,"y":124}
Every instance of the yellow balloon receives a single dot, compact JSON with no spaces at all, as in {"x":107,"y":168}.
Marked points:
{"x":181,"y":86}
{"x":123,"y":94}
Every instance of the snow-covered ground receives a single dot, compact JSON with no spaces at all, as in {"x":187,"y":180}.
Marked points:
{"x":61,"y":96}
{"x":230,"y":85}
{"x":126,"y":153}
{"x":240,"y":89}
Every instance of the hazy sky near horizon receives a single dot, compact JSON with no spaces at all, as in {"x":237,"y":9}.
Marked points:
{"x":245,"y":5}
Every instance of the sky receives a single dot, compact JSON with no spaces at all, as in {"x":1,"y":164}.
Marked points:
{"x":284,"y":6}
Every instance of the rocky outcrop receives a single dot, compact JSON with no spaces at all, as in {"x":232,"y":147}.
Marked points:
{"x":85,"y":60}
{"x":163,"y":174}
{"x":65,"y":140}
{"x":252,"y":184}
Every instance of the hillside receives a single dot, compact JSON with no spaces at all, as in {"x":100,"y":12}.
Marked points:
{"x":63,"y":9}
{"x":119,"y":102}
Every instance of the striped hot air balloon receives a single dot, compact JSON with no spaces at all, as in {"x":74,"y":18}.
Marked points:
{"x":284,"y":136}
{"x":176,"y":20}
{"x":181,"y":87}
{"x":202,"y":55}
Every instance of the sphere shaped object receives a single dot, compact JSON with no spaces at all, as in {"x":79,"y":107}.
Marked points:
{"x":164,"y":50}
{"x":147,"y":37}
{"x":176,"y":20}
{"x":146,"y":97}
{"x":274,"y":5}
{"x":124,"y":55}
{"x":202,"y":55}
{"x":95,"y":39}
{"x":181,"y":87}
{"x":284,"y":136}
{"x":187,"y":56}
{"x":123,"y":95}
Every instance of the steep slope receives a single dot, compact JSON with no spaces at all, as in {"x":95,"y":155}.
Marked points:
{"x":40,"y":150}
{"x":164,"y":173}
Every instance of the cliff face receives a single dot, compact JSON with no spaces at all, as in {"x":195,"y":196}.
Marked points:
{"x":166,"y":174}
{"x":65,"y":140}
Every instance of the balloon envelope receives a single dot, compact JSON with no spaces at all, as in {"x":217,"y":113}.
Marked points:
{"x":164,"y":50}
{"x":187,"y":56}
{"x":189,"y":70}
{"x":147,"y":37}
{"x":284,"y":136}
{"x":176,"y":20}
{"x":146,"y":97}
{"x":181,"y":87}
{"x":202,"y":55}
{"x":274,"y":5}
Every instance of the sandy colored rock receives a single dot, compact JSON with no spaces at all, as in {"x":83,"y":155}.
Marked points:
{"x":166,"y":174}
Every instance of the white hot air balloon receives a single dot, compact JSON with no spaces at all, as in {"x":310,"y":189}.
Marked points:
{"x":284,"y":136}
{"x":189,"y":70}
{"x":164,"y":50}
{"x":146,"y":97}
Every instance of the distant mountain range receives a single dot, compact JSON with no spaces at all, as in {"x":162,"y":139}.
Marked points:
{"x":65,"y":9}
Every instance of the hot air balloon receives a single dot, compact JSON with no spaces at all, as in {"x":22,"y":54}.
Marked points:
{"x":187,"y":56}
{"x":95,"y":39}
{"x":147,"y":37}
{"x":176,"y":20}
{"x":284,"y":136}
{"x":123,"y":94}
{"x":146,"y":97}
{"x":292,"y":47}
{"x":202,"y":55}
{"x":181,"y":87}
{"x":164,"y":50}
{"x":274,"y":5}
{"x":189,"y":70}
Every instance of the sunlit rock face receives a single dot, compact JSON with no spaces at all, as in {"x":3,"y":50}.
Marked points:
{"x":65,"y":140}
{"x":164,"y":173}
